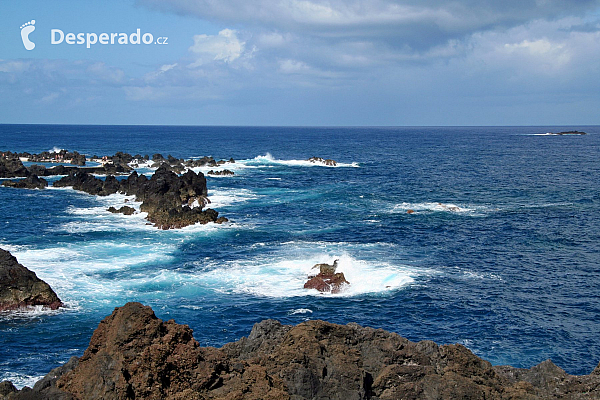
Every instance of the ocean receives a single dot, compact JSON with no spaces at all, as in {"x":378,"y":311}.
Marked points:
{"x":501,"y":252}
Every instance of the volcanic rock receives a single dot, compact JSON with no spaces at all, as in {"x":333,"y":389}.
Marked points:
{"x":224,"y":172}
{"x":171,"y":201}
{"x":12,"y":168}
{"x":134,"y":355}
{"x":20,"y":287}
{"x":31,"y":182}
{"x":123,"y":210}
{"x":320,"y":160}
{"x":327,"y":280}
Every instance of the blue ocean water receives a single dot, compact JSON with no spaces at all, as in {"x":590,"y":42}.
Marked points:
{"x":501,"y":254}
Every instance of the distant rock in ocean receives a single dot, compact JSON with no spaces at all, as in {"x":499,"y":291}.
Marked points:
{"x":134,"y":355}
{"x":20,"y":287}
{"x":567,"y":133}
{"x":319,"y":160}
{"x":31,"y":182}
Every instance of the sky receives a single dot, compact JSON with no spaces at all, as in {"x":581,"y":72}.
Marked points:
{"x":302,"y":62}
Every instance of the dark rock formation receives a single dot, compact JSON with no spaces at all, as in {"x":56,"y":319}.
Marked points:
{"x":224,"y":172}
{"x":20,"y":287}
{"x":135,"y":355}
{"x":171,"y":201}
{"x":12,"y":167}
{"x":320,"y":160}
{"x":31,"y":182}
{"x":123,"y":210}
{"x":327,"y":280}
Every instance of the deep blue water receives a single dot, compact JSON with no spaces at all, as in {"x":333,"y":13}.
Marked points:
{"x":508,"y":264}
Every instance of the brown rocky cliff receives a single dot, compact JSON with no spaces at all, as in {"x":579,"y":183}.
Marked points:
{"x":134,"y":355}
{"x":20,"y":287}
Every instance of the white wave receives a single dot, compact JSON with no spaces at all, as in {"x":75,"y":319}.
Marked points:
{"x":227,"y":197}
{"x":268,"y":159}
{"x":20,"y":380}
{"x":435,"y":207}
{"x":38,"y":311}
{"x":300,"y":311}
{"x":274,"y":179}
{"x":75,"y":271}
{"x":286,"y":278}
{"x":55,"y":150}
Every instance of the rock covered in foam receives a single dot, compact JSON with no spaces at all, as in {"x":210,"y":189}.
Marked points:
{"x":20,"y":287}
{"x":135,"y":355}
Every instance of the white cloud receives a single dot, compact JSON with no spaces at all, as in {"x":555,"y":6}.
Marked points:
{"x":225,"y":46}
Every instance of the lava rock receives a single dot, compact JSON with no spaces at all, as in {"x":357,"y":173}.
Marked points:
{"x":123,"y":210}
{"x":31,"y":182}
{"x":12,"y":168}
{"x":327,"y":280}
{"x":20,"y":287}
{"x":319,"y":160}
{"x":134,"y":355}
{"x":224,"y":172}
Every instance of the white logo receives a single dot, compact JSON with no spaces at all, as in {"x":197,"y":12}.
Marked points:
{"x":26,"y":29}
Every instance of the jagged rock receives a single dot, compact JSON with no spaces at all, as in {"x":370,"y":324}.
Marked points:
{"x":12,"y":168}
{"x":320,"y":160}
{"x":327,"y":280}
{"x":224,"y":172}
{"x":123,"y":210}
{"x":20,"y":287}
{"x":6,"y":388}
{"x":171,"y":201}
{"x":135,"y":355}
{"x":31,"y":182}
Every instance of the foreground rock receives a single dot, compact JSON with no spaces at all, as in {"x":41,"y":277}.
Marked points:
{"x":20,"y":287}
{"x":327,"y":280}
{"x":134,"y":355}
{"x":171,"y":201}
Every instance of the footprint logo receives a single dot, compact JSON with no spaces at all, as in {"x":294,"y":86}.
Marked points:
{"x":26,"y":29}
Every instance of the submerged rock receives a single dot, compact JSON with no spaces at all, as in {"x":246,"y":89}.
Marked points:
{"x":327,"y":280}
{"x":134,"y":355}
{"x":20,"y":287}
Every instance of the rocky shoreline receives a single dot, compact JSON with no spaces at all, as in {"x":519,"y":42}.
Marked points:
{"x":134,"y":355}
{"x":171,"y":198}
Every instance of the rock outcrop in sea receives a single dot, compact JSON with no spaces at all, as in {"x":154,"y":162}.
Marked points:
{"x":171,"y":201}
{"x":134,"y":355}
{"x":31,"y":182}
{"x":11,"y":167}
{"x":327,"y":280}
{"x":319,"y":160}
{"x":21,"y":288}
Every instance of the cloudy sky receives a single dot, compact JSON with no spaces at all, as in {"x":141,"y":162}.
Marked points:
{"x":304,"y":62}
